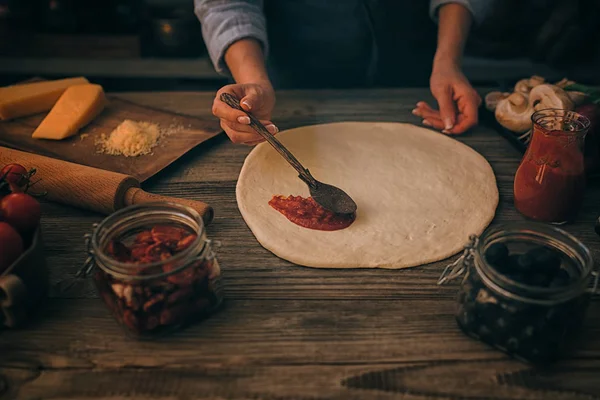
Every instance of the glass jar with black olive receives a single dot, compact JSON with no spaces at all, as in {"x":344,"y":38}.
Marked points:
{"x":525,"y":290}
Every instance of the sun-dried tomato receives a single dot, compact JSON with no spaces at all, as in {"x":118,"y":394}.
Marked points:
{"x":154,"y":302}
{"x":162,"y":233}
{"x":118,"y":251}
{"x":182,"y":294}
{"x":184,"y":277}
{"x":138,"y":251}
{"x":144,"y":237}
{"x":171,"y":244}
{"x":131,"y":320}
{"x":185,"y":242}
{"x":158,"y":252}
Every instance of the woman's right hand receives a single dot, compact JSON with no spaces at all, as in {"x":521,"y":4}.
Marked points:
{"x":256,"y":98}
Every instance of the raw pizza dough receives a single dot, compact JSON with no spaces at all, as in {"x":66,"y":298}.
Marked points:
{"x":420,"y":194}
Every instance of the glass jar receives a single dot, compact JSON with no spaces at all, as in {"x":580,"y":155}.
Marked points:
{"x":525,"y":289}
{"x":550,"y":181}
{"x":154,"y":268}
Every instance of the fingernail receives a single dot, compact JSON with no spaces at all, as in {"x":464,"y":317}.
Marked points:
{"x":446,"y":131}
{"x":244,"y":120}
{"x":415,"y":111}
{"x":245,"y":102}
{"x":272,"y":129}
{"x":448,"y":123}
{"x":425,"y":122}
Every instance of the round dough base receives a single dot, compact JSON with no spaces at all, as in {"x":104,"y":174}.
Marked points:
{"x":420,"y":194}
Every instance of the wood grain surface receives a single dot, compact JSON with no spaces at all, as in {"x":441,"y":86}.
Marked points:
{"x":187,"y":132}
{"x":285,"y":332}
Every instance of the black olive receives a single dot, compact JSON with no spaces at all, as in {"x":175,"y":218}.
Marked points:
{"x":525,"y":262}
{"x":540,"y":279}
{"x":545,"y":259}
{"x":511,"y":266}
{"x":518,"y":277}
{"x":561,"y":279}
{"x":497,"y":254}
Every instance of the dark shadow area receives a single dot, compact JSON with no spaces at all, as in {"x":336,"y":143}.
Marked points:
{"x":155,"y":45}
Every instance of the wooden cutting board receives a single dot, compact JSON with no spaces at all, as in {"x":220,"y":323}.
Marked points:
{"x":187,"y":133}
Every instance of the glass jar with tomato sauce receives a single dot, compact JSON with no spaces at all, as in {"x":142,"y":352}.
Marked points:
{"x":550,"y":181}
{"x":154,"y":268}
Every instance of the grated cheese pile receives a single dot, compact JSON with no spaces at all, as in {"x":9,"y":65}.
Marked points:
{"x":130,"y":139}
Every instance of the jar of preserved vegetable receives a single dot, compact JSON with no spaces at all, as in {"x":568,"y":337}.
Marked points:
{"x":154,"y":267}
{"x":525,"y":289}
{"x":550,"y":182}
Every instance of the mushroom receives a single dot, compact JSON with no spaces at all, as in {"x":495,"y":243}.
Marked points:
{"x":549,"y":96}
{"x":576,"y":97}
{"x":514,"y":112}
{"x":525,"y":85}
{"x":564,"y":82}
{"x":492,"y":99}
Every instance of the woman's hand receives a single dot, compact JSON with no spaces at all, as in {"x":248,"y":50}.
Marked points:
{"x":256,"y":98}
{"x":458,"y":101}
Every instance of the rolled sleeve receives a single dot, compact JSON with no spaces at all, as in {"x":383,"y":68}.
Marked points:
{"x":479,"y":8}
{"x":224,"y":22}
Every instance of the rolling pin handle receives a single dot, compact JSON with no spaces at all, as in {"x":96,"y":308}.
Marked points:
{"x":137,"y":196}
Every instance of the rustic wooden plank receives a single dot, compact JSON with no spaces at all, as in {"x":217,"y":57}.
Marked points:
{"x":260,"y":274}
{"x":443,"y":380}
{"x":299,"y":349}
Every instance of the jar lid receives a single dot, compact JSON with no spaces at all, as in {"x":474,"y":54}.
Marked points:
{"x":135,"y":217}
{"x":531,"y":233}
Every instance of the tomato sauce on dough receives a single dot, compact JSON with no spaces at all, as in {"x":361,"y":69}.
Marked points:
{"x":306,"y":212}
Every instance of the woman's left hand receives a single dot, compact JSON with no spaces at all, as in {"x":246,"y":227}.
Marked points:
{"x":457,"y":99}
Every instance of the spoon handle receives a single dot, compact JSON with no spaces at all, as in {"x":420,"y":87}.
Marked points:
{"x":305,"y":175}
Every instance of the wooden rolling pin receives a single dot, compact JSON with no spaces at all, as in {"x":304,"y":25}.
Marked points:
{"x":90,"y":188}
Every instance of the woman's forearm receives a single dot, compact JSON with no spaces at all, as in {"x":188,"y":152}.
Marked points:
{"x":453,"y":29}
{"x":245,"y":60}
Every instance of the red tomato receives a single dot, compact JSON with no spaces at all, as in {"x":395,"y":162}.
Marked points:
{"x":22,"y":211}
{"x":15,"y":174}
{"x":11,"y":246}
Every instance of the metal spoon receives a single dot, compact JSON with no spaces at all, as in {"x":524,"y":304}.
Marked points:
{"x":328,"y":196}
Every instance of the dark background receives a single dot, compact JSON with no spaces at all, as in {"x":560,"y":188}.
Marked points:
{"x":157,"y":44}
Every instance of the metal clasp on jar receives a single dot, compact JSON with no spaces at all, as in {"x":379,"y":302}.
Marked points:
{"x":458,"y":267}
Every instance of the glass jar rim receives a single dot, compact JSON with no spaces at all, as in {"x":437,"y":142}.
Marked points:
{"x":123,"y":268}
{"x":503,"y":284}
{"x":585,"y":122}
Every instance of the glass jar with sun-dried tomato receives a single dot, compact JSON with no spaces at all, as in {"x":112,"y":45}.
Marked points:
{"x":154,"y":268}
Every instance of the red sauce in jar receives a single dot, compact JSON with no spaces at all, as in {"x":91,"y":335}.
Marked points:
{"x":550,"y":182}
{"x":306,"y":212}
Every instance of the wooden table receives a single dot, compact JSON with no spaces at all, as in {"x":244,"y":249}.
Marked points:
{"x":286,"y":332}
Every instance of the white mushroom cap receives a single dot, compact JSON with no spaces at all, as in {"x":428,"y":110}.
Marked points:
{"x":564,"y":82}
{"x":549,"y":96}
{"x":514,"y":112}
{"x":576,"y":97}
{"x":525,"y":85}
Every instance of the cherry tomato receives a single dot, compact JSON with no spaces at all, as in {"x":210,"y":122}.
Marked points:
{"x":22,"y":211}
{"x":11,"y":246}
{"x":16,"y":175}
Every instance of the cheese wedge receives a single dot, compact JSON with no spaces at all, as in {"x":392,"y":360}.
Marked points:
{"x":33,"y":98}
{"x":77,"y":107}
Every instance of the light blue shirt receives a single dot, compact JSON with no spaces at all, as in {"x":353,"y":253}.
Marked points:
{"x":226,"y":21}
